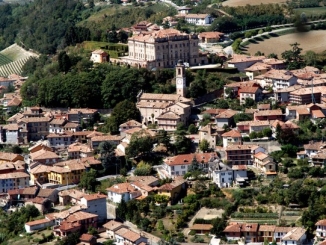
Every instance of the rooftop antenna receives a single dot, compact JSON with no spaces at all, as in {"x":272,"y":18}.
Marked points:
{"x":312,"y":92}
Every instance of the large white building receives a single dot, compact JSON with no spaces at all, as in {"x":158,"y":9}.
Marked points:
{"x":163,"y":48}
{"x":198,"y":19}
{"x":96,"y":204}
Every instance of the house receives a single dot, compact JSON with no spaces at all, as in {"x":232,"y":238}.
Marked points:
{"x":173,"y":190}
{"x":126,"y":236}
{"x":70,"y":196}
{"x":257,"y":69}
{"x":111,"y":227}
{"x":281,"y":232}
{"x":288,"y":127}
{"x":14,"y":180}
{"x":97,"y":140}
{"x":268,"y":115}
{"x":60,"y":140}
{"x":79,"y":221}
{"x":67,"y":172}
{"x":145,"y":180}
{"x":210,"y":37}
{"x":198,"y":19}
{"x":232,"y":137}
{"x":283,"y":95}
{"x":263,"y":107}
{"x":122,"y":191}
{"x":56,"y":125}
{"x":10,"y":157}
{"x":178,"y":165}
{"x":23,"y":193}
{"x":240,"y":175}
{"x":99,"y":56}
{"x":96,"y":204}
{"x":184,"y":10}
{"x":87,"y":239}
{"x":312,"y":148}
{"x":241,"y":62}
{"x":304,"y":96}
{"x":44,"y":157}
{"x":129,"y":125}
{"x":221,"y":174}
{"x":265,"y":163}
{"x":158,"y":47}
{"x":254,"y":93}
{"x":297,"y":236}
{"x":232,"y":89}
{"x":321,"y":228}
{"x":77,"y":115}
{"x":237,"y":231}
{"x":42,"y":204}
{"x":39,"y":173}
{"x":266,"y":233}
{"x":71,"y":127}
{"x":12,"y":134}
{"x":51,"y":194}
{"x":319,"y":159}
{"x":258,"y":126}
{"x":40,"y":224}
{"x":225,"y":118}
{"x":278,"y":79}
{"x":211,"y":133}
{"x":201,"y":228}
{"x":242,"y":154}
{"x":36,"y":127}
{"x":79,"y":150}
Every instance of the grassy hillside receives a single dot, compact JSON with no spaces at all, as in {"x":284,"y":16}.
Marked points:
{"x":4,"y":60}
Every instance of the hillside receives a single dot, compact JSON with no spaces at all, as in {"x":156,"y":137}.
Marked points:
{"x":13,"y":58}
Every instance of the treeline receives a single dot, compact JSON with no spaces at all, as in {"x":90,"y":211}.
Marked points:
{"x":54,"y":26}
{"x":304,"y":3}
{"x":73,"y":82}
{"x":247,"y":17}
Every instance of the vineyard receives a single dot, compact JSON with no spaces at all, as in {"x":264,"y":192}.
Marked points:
{"x":14,"y":67}
{"x":12,"y":60}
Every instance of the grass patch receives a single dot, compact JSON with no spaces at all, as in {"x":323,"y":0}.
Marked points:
{"x":115,"y":50}
{"x":311,"y":11}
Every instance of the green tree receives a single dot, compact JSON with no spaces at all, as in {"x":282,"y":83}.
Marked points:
{"x":88,"y":180}
{"x":293,"y":56}
{"x":253,"y":135}
{"x":143,"y":169}
{"x":192,"y":129}
{"x":108,"y":157}
{"x":267,"y":132}
{"x":204,"y":145}
{"x":122,"y":112}
{"x":140,"y":146}
{"x":64,"y":62}
{"x":222,"y":104}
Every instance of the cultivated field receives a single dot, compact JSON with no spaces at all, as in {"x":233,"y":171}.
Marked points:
{"x":235,"y":3}
{"x":308,"y":41}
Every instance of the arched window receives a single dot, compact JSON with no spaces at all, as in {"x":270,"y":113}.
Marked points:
{"x":179,"y":71}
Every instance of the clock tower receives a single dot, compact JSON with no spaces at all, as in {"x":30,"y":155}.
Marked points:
{"x":180,"y":79}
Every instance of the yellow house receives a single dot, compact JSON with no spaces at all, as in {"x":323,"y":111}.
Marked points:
{"x":40,"y":174}
{"x":173,"y":189}
{"x":68,"y":172}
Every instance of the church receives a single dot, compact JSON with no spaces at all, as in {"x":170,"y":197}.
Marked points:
{"x":166,"y":110}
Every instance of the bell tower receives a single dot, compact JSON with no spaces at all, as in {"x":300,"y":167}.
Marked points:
{"x":180,"y":79}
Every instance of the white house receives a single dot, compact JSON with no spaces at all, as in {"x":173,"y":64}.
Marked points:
{"x":111,"y":227}
{"x":122,"y":191}
{"x":321,"y":228}
{"x":99,"y":56}
{"x":96,"y":204}
{"x":296,"y":236}
{"x":179,"y":165}
{"x":232,"y":137}
{"x":221,"y":174}
{"x":56,"y":125}
{"x":38,"y":225}
{"x":124,"y":236}
{"x":198,"y":19}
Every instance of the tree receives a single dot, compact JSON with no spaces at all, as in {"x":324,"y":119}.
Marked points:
{"x":88,"y":180}
{"x":122,"y":112}
{"x":143,"y":169}
{"x":222,"y":104}
{"x":310,"y":58}
{"x":242,"y":117}
{"x":253,"y":135}
{"x":293,"y":57}
{"x":72,"y":238}
{"x":290,"y":150}
{"x":204,"y":145}
{"x":249,"y":102}
{"x":164,"y":138}
{"x":141,"y":145}
{"x":16,"y":149}
{"x":267,"y":132}
{"x":108,"y":157}
{"x":64,"y":62}
{"x":192,"y":129}
{"x":182,"y":144}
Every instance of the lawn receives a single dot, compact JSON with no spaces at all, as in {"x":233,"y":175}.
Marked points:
{"x":311,"y":11}
{"x":235,"y":3}
{"x":279,"y":44}
{"x":113,"y":49}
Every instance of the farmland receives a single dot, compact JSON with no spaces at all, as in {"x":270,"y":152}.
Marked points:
{"x":279,"y":44}
{"x":235,"y":3}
